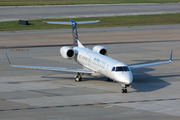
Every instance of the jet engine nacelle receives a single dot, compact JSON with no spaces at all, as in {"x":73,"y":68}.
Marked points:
{"x":100,"y":49}
{"x":67,"y":52}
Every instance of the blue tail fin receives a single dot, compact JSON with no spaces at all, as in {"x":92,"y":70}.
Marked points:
{"x":76,"y":42}
{"x":74,"y":34}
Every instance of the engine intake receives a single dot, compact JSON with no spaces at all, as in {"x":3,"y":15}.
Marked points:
{"x":67,"y":52}
{"x":100,"y":49}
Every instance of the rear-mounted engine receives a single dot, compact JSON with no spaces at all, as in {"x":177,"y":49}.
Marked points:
{"x":100,"y":49}
{"x":67,"y":52}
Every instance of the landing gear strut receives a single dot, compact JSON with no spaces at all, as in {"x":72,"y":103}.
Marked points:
{"x":124,"y":86}
{"x":78,"y":77}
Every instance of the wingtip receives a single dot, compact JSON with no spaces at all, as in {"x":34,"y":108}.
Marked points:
{"x":8,"y":59}
{"x":171,"y":56}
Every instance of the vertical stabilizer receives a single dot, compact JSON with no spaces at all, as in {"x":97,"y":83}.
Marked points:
{"x":74,"y":34}
{"x":76,"y":42}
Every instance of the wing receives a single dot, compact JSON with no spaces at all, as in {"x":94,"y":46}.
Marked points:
{"x":151,"y":64}
{"x":54,"y":69}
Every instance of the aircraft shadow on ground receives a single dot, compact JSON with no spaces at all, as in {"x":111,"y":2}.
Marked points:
{"x":143,"y":82}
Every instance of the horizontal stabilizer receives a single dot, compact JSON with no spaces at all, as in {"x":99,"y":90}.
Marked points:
{"x":86,"y":22}
{"x":72,"y":22}
{"x":65,"y":23}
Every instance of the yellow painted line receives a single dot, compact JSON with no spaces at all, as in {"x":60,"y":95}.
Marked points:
{"x":19,"y":49}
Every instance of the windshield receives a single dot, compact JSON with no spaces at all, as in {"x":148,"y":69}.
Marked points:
{"x":121,"y":68}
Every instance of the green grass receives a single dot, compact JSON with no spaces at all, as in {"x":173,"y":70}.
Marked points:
{"x":105,"y":22}
{"x":75,"y":2}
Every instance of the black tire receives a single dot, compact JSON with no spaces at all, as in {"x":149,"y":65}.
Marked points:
{"x":122,"y":90}
{"x":108,"y":79}
{"x":125,"y":91}
{"x":80,"y":79}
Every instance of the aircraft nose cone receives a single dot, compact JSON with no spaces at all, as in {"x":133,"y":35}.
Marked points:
{"x":126,"y":78}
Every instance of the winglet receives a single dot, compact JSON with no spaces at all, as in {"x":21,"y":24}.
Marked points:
{"x":8,"y":59}
{"x":171,"y":56}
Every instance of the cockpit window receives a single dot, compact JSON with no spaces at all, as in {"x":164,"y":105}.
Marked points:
{"x":113,"y":69}
{"x":123,"y":68}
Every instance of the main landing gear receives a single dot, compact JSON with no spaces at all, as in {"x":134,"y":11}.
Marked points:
{"x":124,"y":86}
{"x":110,"y":80}
{"x":78,"y":77}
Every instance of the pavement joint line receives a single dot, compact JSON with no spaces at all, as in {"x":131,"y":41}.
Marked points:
{"x":95,"y":104}
{"x":58,"y":106}
{"x":59,"y":45}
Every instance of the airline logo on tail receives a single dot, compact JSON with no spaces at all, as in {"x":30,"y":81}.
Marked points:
{"x":74,"y":33}
{"x":75,"y":37}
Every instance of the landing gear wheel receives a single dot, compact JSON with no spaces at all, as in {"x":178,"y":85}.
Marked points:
{"x":78,"y":77}
{"x":124,"y":90}
{"x":110,"y":80}
{"x":124,"y":86}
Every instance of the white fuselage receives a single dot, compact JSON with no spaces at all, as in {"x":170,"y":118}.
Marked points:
{"x":103,"y":65}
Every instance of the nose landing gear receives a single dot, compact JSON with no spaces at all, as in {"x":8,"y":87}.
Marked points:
{"x":124,"y":86}
{"x":124,"y":90}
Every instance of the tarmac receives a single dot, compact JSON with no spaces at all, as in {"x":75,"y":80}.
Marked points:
{"x":44,"y":95}
{"x":90,"y":36}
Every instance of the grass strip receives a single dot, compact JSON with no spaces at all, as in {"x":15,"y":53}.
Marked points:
{"x":75,"y":2}
{"x":104,"y":22}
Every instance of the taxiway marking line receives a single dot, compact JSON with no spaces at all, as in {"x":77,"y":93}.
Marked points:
{"x":95,"y":104}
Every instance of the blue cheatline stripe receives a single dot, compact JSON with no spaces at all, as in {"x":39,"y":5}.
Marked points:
{"x":95,"y":104}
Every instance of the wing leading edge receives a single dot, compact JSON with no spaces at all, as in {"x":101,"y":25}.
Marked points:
{"x":151,"y":64}
{"x":54,"y":69}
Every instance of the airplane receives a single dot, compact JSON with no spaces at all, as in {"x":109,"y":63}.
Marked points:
{"x":95,"y":62}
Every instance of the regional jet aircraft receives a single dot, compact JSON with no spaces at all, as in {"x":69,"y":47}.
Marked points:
{"x":95,"y":62}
